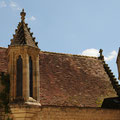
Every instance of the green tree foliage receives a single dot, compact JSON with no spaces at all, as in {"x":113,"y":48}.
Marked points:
{"x":4,"y":95}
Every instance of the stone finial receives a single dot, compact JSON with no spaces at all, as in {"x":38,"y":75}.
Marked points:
{"x":23,"y":14}
{"x":101,"y":54}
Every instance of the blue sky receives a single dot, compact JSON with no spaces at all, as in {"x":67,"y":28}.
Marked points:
{"x":67,"y":26}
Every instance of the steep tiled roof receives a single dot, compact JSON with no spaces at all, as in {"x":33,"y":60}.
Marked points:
{"x":73,"y":80}
{"x":3,"y":59}
{"x":22,"y":34}
{"x":70,"y":80}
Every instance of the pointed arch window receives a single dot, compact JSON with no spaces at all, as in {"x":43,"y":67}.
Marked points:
{"x":19,"y":80}
{"x":30,"y":77}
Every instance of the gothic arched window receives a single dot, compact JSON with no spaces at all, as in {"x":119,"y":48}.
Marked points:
{"x":19,"y":80}
{"x":30,"y":77}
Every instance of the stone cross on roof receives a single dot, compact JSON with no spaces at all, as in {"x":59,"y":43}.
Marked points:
{"x":101,"y":54}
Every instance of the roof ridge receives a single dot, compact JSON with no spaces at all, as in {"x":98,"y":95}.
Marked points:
{"x":69,"y":54}
{"x":3,"y":48}
{"x":113,"y":80}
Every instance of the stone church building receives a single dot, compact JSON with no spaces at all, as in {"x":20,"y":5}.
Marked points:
{"x":57,"y":86}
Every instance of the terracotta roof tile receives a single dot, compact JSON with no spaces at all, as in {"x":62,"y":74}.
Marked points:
{"x":3,"y":59}
{"x":73,"y":80}
{"x":69,"y":80}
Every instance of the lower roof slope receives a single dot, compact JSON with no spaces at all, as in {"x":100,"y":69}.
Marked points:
{"x":73,"y":80}
{"x":3,"y":60}
{"x":69,"y":80}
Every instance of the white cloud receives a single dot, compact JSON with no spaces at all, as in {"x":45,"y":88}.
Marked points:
{"x":112,"y":55}
{"x":95,"y":53}
{"x":14,"y":5}
{"x":3,"y":4}
{"x":32,"y":18}
{"x":91,"y":52}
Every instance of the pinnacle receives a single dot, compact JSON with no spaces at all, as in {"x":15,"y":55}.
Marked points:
{"x":22,"y":35}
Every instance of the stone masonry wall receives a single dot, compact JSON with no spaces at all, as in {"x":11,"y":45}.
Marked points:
{"x":63,"y":113}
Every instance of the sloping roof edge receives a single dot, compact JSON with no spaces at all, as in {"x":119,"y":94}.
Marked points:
{"x":113,"y":80}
